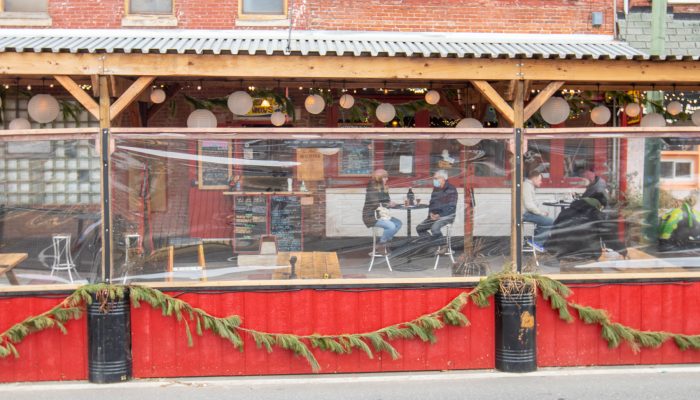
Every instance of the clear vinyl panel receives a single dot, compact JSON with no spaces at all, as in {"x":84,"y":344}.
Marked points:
{"x":612,"y":205}
{"x":249,"y":209}
{"x":49,"y":211}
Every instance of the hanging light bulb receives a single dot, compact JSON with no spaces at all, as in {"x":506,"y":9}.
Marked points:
{"x":674,"y":107}
{"x":469,"y":123}
{"x":43,"y":108}
{"x":385,"y":112}
{"x":555,"y":110}
{"x":600,"y":115}
{"x":278,"y":118}
{"x":314,"y":104}
{"x":653,"y":120}
{"x":20,"y":123}
{"x":201,"y":119}
{"x":632,"y":109}
{"x":240,"y":102}
{"x":346,"y":101}
{"x":432,"y":97}
{"x":696,"y":117}
{"x":158,"y":96}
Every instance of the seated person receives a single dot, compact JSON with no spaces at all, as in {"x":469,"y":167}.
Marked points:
{"x":378,"y":194}
{"x":441,"y":209}
{"x":596,"y":184}
{"x":680,"y":228}
{"x":580,"y":231}
{"x":532,"y":212}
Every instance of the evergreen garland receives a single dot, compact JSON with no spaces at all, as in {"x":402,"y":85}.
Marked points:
{"x":422,"y":328}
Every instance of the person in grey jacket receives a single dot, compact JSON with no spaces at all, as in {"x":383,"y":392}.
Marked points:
{"x":596,"y":184}
{"x":533,"y":213}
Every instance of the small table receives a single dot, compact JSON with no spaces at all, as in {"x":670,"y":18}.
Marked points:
{"x":9,"y":261}
{"x":557,"y":204}
{"x":408,"y":213}
{"x":309,"y":265}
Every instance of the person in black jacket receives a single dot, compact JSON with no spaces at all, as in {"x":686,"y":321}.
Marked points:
{"x":378,"y":194}
{"x":442,"y":207}
{"x":580,"y":231}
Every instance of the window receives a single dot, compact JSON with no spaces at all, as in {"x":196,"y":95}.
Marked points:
{"x":676,"y":169}
{"x":25,"y":6}
{"x":262,"y":9}
{"x":150,"y":7}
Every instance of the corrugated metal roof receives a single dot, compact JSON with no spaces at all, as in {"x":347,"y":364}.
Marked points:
{"x":317,"y":43}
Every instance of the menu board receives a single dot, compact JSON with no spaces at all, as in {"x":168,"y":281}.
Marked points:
{"x":286,"y":222}
{"x":250,"y":222}
{"x":356,"y":158}
{"x":214,"y":164}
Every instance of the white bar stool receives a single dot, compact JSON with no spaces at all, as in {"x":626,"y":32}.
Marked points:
{"x":132,"y":243}
{"x":448,"y":242}
{"x":62,"y":257}
{"x":529,"y":232}
{"x":377,"y":231}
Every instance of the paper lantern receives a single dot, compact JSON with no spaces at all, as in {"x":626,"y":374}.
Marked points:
{"x":632,"y":109}
{"x":696,"y":117}
{"x":385,"y":112}
{"x":653,"y":120}
{"x":314,"y":104}
{"x":346,"y":101}
{"x":20,"y":123}
{"x":240,"y":102}
{"x":328,"y":151}
{"x":432,"y":97}
{"x":43,"y":108}
{"x":201,"y":119}
{"x":469,"y":123}
{"x":278,"y":118}
{"x":555,"y":110}
{"x":600,"y":115}
{"x":674,"y":107}
{"x":157,"y":96}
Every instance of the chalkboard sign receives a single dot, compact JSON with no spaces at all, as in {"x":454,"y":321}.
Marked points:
{"x":214,"y":164}
{"x":286,"y":222}
{"x":250,"y":222}
{"x":356,"y":158}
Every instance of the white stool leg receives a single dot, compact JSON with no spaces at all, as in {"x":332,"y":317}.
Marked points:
{"x":374,"y":248}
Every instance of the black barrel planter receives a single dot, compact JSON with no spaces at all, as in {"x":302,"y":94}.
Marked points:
{"x":516,"y":331}
{"x":109,"y":341}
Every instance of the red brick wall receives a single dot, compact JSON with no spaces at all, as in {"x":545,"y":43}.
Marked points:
{"x":526,"y":16}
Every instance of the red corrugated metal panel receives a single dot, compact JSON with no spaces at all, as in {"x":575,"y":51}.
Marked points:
{"x":47,"y":355}
{"x":671,"y":307}
{"x":161,"y":350}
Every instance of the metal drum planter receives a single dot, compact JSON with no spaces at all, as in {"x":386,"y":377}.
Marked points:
{"x":516,"y":332}
{"x":109,"y":341}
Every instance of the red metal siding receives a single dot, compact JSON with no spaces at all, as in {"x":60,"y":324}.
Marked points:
{"x":667,"y":307}
{"x":47,"y":355}
{"x":160,"y":346}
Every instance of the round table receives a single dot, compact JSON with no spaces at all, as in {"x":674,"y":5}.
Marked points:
{"x":408,"y":213}
{"x":557,"y":204}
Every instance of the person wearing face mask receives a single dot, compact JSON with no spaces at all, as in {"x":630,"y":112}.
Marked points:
{"x":441,"y":209}
{"x":378,"y":195}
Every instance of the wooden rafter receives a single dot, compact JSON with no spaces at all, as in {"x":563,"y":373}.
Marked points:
{"x":495,"y":99}
{"x":79,"y":94}
{"x":541,"y":98}
{"x":130,"y":95}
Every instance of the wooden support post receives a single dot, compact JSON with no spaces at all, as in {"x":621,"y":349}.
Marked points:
{"x":171,"y":263}
{"x":130,"y":95}
{"x":541,"y":98}
{"x":496,"y":100}
{"x":202,"y":261}
{"x":79,"y":94}
{"x":516,"y":191}
{"x":106,"y":191}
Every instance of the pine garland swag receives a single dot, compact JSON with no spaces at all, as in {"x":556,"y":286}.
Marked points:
{"x":370,"y":343}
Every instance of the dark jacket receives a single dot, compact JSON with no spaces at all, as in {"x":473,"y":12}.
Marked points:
{"x":443,"y":201}
{"x":376,"y":194}
{"x":597,"y":186}
{"x":578,"y":231}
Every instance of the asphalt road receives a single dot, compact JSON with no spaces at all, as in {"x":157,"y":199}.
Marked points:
{"x":664,"y":382}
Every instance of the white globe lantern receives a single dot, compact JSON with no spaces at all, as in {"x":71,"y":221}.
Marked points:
{"x":20,"y":123}
{"x":240,"y":102}
{"x":653,"y":120}
{"x":201,"y":119}
{"x":432,"y":97}
{"x":157,"y":96}
{"x":278,"y":118}
{"x":314,"y":104}
{"x":632,"y":109}
{"x":385,"y":112}
{"x":346,"y":101}
{"x":328,"y":151}
{"x":470,"y":123}
{"x":696,"y":117}
{"x":555,"y":110}
{"x":43,"y":108}
{"x":674,"y":107}
{"x":600,"y":115}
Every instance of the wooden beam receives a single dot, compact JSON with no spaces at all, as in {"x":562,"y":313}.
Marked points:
{"x":170,"y":91}
{"x":495,"y":99}
{"x":541,"y":98}
{"x":95,"y":83}
{"x":349,"y":67}
{"x":105,"y":170}
{"x":130,"y":95}
{"x":79,"y":94}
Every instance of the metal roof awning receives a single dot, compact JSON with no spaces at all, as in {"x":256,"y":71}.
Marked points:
{"x":318,"y":43}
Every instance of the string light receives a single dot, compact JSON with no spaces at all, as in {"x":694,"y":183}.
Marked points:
{"x":29,"y":87}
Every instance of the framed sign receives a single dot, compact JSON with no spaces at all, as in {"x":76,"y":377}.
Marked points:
{"x":214,"y":164}
{"x":356,"y":158}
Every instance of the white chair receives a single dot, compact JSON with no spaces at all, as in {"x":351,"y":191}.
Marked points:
{"x":529,"y":233}
{"x":447,"y":233}
{"x":62,"y":257}
{"x":132,"y":243}
{"x":377,"y":232}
